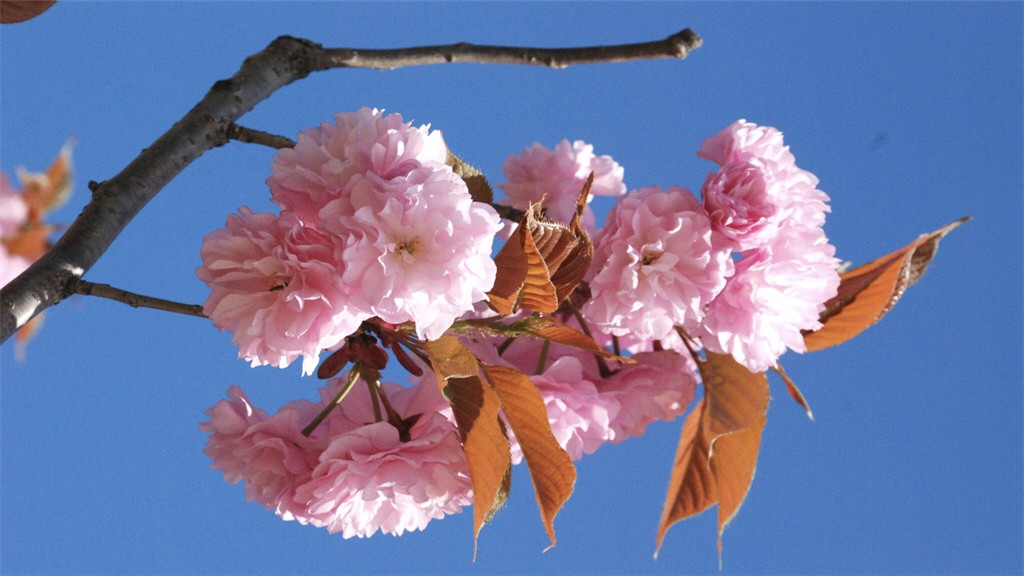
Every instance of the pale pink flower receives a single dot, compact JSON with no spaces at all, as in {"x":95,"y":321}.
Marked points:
{"x":799,"y":199}
{"x":776,"y":292}
{"x":743,"y":204}
{"x":772,"y":211}
{"x":276,"y":285}
{"x":657,"y":386}
{"x":655,"y":265}
{"x":369,"y":479}
{"x":325,"y":159}
{"x":579,"y":415}
{"x":420,"y":252}
{"x":268,"y":453}
{"x":558,"y":176}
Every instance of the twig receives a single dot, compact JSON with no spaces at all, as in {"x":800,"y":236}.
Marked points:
{"x":207,"y":125}
{"x":251,"y":136}
{"x":134,"y":300}
{"x":678,"y":45}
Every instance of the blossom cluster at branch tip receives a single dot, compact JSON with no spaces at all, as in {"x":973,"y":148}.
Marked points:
{"x":375,"y":226}
{"x":373,"y":223}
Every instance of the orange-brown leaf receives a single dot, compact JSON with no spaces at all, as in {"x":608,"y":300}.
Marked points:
{"x":46,"y":191}
{"x":550,"y":328}
{"x":718,"y":448}
{"x":450,"y":358}
{"x":572,"y":270}
{"x":733,"y":464}
{"x":475,"y":406}
{"x":868,"y":292}
{"x":31,"y":242}
{"x":551,"y":469}
{"x":542,"y":263}
{"x":523,"y":279}
{"x":487,"y":451}
{"x":794,"y":392}
{"x":692,"y":488}
{"x":13,"y":11}
{"x":736,"y":396}
{"x":479,"y":188}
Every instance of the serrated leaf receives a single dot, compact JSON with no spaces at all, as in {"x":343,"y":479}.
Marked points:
{"x":692,"y":488}
{"x":717,"y":453}
{"x":475,"y":406}
{"x":868,"y":292}
{"x":479,"y":189}
{"x":550,"y":328}
{"x":523,"y":279}
{"x":572,"y":270}
{"x":551,"y":469}
{"x":542,"y":263}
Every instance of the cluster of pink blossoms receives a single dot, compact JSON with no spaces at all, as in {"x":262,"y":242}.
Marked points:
{"x":370,"y":226}
{"x":373,"y":223}
{"x":352,"y":474}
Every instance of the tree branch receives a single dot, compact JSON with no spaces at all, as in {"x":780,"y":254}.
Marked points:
{"x":208,"y":125}
{"x":250,"y":136}
{"x":134,"y":300}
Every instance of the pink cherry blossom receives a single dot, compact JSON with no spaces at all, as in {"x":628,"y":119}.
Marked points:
{"x":326,"y":158}
{"x":275,"y":284}
{"x":421,"y":251}
{"x":655,"y":265}
{"x":558,"y":177}
{"x":776,"y":292}
{"x":743,"y":204}
{"x":369,"y":478}
{"x":658,"y":386}
{"x":268,"y":453}
{"x":742,"y":141}
{"x":578,"y":414}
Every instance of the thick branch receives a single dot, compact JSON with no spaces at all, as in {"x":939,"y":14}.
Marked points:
{"x":117,"y":200}
{"x":135,"y":300}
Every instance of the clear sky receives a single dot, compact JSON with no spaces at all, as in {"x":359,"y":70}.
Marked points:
{"x":909,"y":113}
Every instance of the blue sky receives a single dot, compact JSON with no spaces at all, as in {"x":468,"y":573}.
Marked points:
{"x":909,"y":113}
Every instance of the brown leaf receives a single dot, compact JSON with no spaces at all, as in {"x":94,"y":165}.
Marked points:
{"x":31,"y":242}
{"x":692,"y":488}
{"x":479,"y":188}
{"x":542,"y":263}
{"x":718,"y":448}
{"x":523,"y":279}
{"x":550,"y":328}
{"x":868,"y":292}
{"x":794,"y":392}
{"x":475,"y":406}
{"x":44,"y":192}
{"x":551,"y":469}
{"x":572,"y":270}
{"x":14,"y":11}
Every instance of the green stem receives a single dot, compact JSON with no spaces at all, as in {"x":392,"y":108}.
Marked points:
{"x":353,"y":375}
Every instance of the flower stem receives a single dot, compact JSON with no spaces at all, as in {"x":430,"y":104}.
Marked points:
{"x":353,"y":375}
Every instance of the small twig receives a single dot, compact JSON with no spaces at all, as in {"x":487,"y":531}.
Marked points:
{"x":678,"y":45}
{"x":135,"y":300}
{"x":251,"y":136}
